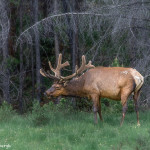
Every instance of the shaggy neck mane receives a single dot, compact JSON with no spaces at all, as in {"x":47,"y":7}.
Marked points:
{"x":75,"y":86}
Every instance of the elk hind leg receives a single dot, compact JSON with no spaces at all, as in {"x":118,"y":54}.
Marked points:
{"x":124,"y":107}
{"x":135,"y":97}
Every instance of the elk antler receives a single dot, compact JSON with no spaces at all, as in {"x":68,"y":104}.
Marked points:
{"x":84,"y":66}
{"x":48,"y":75}
{"x":80,"y":70}
{"x":60,"y":66}
{"x":56,"y":71}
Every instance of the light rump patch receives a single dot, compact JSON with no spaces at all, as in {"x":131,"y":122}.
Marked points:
{"x":139,"y":79}
{"x":124,"y":72}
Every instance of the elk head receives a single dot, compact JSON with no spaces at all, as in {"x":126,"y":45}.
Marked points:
{"x":60,"y":82}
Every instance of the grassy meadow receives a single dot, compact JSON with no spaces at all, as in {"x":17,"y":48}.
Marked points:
{"x":50,"y":128}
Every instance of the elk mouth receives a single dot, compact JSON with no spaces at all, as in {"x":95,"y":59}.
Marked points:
{"x":47,"y":96}
{"x":51,"y":96}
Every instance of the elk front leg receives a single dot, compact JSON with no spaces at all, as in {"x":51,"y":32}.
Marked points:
{"x":99,"y":110}
{"x":96,"y":107}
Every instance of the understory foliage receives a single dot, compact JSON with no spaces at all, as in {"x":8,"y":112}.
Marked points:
{"x":110,"y":33}
{"x":42,"y":115}
{"x":6,"y":112}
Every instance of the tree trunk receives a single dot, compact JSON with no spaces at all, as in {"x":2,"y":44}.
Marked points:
{"x":32,"y":56}
{"x":32,"y":70}
{"x":37,"y":50}
{"x":6,"y":79}
{"x":5,"y":26}
{"x":12,"y":33}
{"x":57,"y":48}
{"x":55,"y":34}
{"x":72,"y":33}
{"x":21,"y":76}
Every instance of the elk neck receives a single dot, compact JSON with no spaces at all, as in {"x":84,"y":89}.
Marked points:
{"x":75,"y":87}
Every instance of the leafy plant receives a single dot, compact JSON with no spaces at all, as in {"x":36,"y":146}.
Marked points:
{"x":40,"y":116}
{"x":6,"y":112}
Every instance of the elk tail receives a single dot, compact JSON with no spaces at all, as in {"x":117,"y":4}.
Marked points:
{"x":138,"y":78}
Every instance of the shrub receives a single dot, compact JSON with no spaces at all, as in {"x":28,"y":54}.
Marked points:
{"x":40,"y":115}
{"x":84,"y":104}
{"x":64,"y":105}
{"x":6,"y":112}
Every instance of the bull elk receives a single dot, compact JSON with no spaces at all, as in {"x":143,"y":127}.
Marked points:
{"x":116,"y":83}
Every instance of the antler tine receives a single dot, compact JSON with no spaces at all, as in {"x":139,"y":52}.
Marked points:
{"x":43,"y":73}
{"x":76,"y":69}
{"x":59,"y":60}
{"x":50,"y":65}
{"x":57,"y":70}
{"x":52,"y":76}
{"x":68,"y":77}
{"x":89,"y":65}
{"x":48,"y":75}
{"x":59,"y":66}
{"x":84,"y":66}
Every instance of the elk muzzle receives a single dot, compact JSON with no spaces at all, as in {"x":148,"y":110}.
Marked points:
{"x":50,"y":92}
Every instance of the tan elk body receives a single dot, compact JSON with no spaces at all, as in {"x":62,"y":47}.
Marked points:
{"x":116,"y":83}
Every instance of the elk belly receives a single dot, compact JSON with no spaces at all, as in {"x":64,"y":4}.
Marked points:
{"x":115,"y":94}
{"x":111,"y":92}
{"x":109,"y":89}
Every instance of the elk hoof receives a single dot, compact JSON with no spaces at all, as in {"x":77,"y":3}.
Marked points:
{"x":138,"y":125}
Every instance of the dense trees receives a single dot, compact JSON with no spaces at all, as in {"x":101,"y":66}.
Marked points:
{"x":37,"y":48}
{"x":32,"y":32}
{"x":5,"y":28}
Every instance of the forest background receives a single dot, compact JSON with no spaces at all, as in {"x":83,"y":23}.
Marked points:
{"x":32,"y":32}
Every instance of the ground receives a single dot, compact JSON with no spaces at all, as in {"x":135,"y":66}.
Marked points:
{"x":75,"y":131}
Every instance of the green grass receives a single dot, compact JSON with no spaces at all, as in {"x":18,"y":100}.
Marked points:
{"x":67,"y":130}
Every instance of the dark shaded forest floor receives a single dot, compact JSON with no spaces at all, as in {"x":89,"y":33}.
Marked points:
{"x":67,"y":130}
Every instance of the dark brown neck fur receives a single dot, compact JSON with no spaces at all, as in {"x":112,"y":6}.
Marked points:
{"x":75,"y":87}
